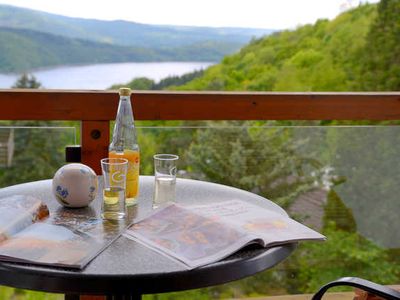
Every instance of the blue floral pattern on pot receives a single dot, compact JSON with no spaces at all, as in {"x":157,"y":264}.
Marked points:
{"x":62,"y":194}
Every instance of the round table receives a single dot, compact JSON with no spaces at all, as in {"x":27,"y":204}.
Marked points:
{"x":127,"y":267}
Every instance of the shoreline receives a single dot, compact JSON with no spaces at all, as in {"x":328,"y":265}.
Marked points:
{"x":102,"y":76}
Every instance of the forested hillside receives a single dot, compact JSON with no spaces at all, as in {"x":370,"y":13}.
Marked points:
{"x":22,"y":50}
{"x":31,"y":39}
{"x":325,"y":56}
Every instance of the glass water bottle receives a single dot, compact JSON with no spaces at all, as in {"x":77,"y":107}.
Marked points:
{"x":124,"y":144}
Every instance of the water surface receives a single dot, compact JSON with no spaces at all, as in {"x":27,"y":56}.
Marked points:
{"x":102,"y":76}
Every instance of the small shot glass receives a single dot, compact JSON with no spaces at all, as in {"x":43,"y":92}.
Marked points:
{"x":165,"y":178}
{"x":114,"y":182}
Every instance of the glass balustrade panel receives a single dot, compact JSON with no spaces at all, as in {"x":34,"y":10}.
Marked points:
{"x":32,"y":152}
{"x":340,"y":180}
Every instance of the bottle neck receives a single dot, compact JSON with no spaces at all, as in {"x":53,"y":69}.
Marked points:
{"x":124,"y":136}
{"x":125,"y":108}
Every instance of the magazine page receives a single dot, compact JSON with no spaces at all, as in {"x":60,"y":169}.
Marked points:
{"x":274,"y":228}
{"x":49,"y":245}
{"x":68,"y":238}
{"x":191,"y":238}
{"x":18,"y":212}
{"x":97,"y":234}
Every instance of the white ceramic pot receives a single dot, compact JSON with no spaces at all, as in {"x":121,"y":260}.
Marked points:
{"x":75,"y":185}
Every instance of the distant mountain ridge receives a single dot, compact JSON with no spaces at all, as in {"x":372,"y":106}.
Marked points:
{"x":24,"y":50}
{"x":123,"y":32}
{"x":31,"y":39}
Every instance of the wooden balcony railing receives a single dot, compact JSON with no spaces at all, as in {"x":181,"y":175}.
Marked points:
{"x":95,"y":109}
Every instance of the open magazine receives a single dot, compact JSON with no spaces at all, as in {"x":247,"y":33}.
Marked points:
{"x":65,"y":238}
{"x":202,"y":234}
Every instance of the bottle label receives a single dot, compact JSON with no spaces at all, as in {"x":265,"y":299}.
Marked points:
{"x":132,"y":178}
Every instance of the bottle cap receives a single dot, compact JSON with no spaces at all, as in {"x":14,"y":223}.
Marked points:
{"x":124,"y":91}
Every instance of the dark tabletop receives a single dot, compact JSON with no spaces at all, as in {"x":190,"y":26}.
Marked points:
{"x":127,"y":266}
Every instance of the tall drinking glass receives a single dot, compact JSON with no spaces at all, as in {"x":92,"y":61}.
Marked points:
{"x":114,"y":175}
{"x":165,"y":178}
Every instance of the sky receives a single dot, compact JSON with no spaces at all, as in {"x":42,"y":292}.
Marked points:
{"x":272,"y":14}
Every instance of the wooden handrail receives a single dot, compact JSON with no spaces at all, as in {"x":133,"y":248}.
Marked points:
{"x":102,"y":105}
{"x":96,"y":108}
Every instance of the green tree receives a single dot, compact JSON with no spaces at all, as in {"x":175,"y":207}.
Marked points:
{"x":39,"y":148}
{"x":27,"y":81}
{"x":343,"y":254}
{"x":381,"y":63}
{"x":170,"y":82}
{"x":258,"y":159}
{"x":140,"y":83}
{"x":336,"y":212}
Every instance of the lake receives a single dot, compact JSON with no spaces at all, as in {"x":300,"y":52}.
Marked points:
{"x":102,"y":76}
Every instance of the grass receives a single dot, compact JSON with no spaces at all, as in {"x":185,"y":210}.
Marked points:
{"x":7,"y":293}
